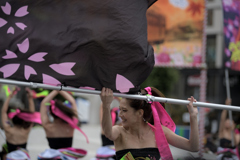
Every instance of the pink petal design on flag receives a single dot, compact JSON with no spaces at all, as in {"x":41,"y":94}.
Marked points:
{"x":63,"y":68}
{"x":50,"y":80}
{"x":89,"y":88}
{"x":28,"y":71}
{"x":9,"y":55}
{"x":10,"y":30}
{"x":21,"y":25}
{"x":37,"y":57}
{"x":9,"y":69}
{"x":6,"y":9}
{"x":2,"y":22}
{"x":22,"y":11}
{"x":24,"y":46}
{"x":123,"y":84}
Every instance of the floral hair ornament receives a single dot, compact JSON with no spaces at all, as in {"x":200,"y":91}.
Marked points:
{"x":71,"y":121}
{"x":161,"y":117}
{"x":28,"y":117}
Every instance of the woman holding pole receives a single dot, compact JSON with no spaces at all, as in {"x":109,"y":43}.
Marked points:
{"x":146,"y":127}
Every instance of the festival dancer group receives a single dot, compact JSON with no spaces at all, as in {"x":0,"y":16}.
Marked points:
{"x":146,"y":128}
{"x":58,"y":120}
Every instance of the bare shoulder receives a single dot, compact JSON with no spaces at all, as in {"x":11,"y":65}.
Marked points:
{"x":118,"y":129}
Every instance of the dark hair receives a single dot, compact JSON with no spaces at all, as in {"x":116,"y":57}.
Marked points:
{"x":66,"y":110}
{"x":18,"y":121}
{"x":145,"y":106}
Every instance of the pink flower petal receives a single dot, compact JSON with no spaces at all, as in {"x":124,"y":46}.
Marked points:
{"x":24,"y":46}
{"x":90,"y":88}
{"x":28,"y":71}
{"x":63,"y":68}
{"x":9,"y":55}
{"x":21,"y":25}
{"x":10,"y":30}
{"x":2,"y":22}
{"x":22,"y":11}
{"x":6,"y":9}
{"x":50,"y":80}
{"x":37,"y":57}
{"x":9,"y":69}
{"x":123,"y":84}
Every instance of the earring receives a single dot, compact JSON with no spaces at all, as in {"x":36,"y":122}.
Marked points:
{"x":145,"y":120}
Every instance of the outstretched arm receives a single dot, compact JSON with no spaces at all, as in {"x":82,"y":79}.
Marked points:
{"x":30,"y":99}
{"x":5,"y":108}
{"x":193,"y":143}
{"x":70,"y":98}
{"x":43,"y":108}
{"x":223,"y":117}
{"x":110,"y":132}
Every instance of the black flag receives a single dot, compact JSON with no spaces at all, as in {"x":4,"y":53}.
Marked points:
{"x":76,"y":43}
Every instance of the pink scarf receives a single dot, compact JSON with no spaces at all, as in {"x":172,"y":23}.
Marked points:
{"x":161,"y":117}
{"x":28,"y":117}
{"x":71,"y":121}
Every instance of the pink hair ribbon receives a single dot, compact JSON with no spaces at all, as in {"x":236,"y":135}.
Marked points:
{"x":161,"y":117}
{"x":71,"y":121}
{"x":28,"y":117}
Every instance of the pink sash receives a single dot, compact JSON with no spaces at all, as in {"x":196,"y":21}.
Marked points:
{"x":71,"y":121}
{"x":161,"y":117}
{"x":28,"y":117}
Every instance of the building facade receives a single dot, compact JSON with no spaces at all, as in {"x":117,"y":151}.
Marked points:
{"x":189,"y":81}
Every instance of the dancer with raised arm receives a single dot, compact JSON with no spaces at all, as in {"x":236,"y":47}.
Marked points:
{"x":146,"y":127}
{"x":17,"y":122}
{"x":226,"y":131}
{"x":59,"y":122}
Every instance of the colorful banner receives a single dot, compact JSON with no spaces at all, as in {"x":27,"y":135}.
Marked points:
{"x":231,"y":9}
{"x":90,"y":44}
{"x":175,"y":30}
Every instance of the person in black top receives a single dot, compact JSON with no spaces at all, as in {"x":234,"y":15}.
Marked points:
{"x":16,"y":129}
{"x":226,"y":129}
{"x":59,"y":133}
{"x":141,"y":133}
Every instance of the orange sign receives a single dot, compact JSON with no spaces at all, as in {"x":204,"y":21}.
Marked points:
{"x":175,"y":30}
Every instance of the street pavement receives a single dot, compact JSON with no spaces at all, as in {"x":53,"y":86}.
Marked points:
{"x":37,"y":143}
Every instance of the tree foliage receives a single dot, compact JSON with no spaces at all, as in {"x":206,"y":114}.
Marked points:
{"x":162,"y":78}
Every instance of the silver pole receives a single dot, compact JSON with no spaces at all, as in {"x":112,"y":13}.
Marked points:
{"x":229,"y":96}
{"x":130,"y":96}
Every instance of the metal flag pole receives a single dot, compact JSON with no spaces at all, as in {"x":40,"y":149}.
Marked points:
{"x":229,"y":96}
{"x":130,"y":96}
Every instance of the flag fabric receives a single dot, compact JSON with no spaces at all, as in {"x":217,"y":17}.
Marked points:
{"x":74,"y":43}
{"x":231,"y":11}
{"x":175,"y":30}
